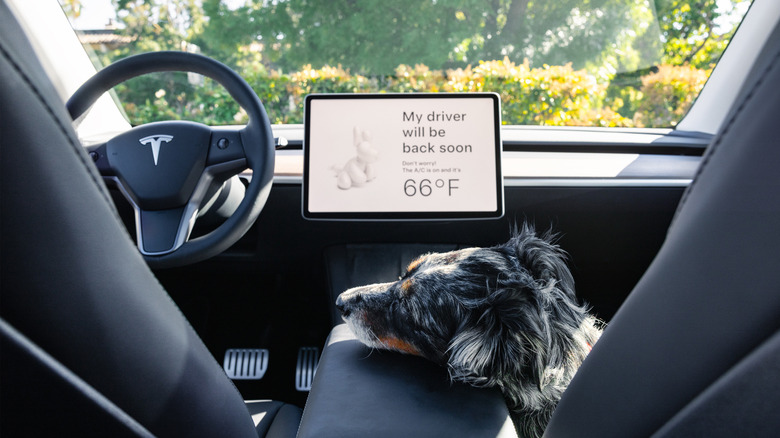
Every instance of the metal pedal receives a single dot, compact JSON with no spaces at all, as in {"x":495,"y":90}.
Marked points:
{"x":308,"y":358}
{"x":246,"y":363}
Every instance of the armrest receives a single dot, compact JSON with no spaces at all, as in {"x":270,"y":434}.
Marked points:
{"x":358,"y":392}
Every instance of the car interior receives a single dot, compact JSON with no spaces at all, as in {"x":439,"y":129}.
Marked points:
{"x":110,"y":328}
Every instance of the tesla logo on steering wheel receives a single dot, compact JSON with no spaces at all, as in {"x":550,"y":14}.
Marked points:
{"x":155,"y":141}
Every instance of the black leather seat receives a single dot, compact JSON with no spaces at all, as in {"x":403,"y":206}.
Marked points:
{"x":358,"y":392}
{"x":91,"y":343}
{"x":695,"y":349}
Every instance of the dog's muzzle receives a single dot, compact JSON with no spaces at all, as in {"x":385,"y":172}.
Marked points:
{"x":362,"y":298}
{"x":345,"y":306}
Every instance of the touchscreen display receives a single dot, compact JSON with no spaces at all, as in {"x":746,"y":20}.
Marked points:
{"x":402,"y":156}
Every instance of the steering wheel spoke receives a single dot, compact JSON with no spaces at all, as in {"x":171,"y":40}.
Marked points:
{"x":98,"y":154}
{"x":226,"y":145}
{"x":163,"y":231}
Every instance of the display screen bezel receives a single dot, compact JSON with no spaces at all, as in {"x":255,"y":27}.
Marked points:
{"x":455,"y":214}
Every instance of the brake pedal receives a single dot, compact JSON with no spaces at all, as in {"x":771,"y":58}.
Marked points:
{"x":308,"y":358}
{"x":246,"y":363}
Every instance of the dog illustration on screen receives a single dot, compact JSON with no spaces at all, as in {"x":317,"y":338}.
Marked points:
{"x":505,"y":316}
{"x":360,"y":169}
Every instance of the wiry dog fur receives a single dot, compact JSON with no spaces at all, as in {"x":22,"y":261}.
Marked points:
{"x":505,"y":316}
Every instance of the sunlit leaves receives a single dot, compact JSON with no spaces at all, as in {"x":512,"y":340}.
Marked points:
{"x":697,"y":32}
{"x":547,"y":95}
{"x":589,"y":62}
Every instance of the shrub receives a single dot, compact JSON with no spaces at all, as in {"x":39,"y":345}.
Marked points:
{"x":667,"y":94}
{"x":550,"y":95}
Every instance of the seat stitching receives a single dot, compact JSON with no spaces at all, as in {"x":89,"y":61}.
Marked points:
{"x":77,"y":148}
{"x":729,"y":124}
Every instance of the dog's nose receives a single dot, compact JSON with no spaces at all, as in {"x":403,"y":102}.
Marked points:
{"x":344,"y":305}
{"x":341,"y":306}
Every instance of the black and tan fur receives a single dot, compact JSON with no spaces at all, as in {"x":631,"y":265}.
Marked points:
{"x":505,"y":316}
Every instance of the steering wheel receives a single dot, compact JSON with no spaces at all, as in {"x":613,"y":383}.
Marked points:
{"x":166,"y":169}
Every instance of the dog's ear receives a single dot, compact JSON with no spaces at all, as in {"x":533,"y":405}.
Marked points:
{"x":530,"y":352}
{"x":506,"y":340}
{"x":523,"y":334}
{"x":540,"y":255}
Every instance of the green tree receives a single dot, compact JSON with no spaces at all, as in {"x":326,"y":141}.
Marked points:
{"x":168,"y":25}
{"x":72,"y":8}
{"x":240,"y":46}
{"x":371,"y":36}
{"x":602,"y":35}
{"x":691,"y":32}
{"x":287,"y":48}
{"x":159,"y":24}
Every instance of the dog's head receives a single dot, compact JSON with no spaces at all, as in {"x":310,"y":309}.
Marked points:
{"x":491,"y":315}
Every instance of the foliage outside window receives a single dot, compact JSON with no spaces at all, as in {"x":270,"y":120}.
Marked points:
{"x":632,"y":63}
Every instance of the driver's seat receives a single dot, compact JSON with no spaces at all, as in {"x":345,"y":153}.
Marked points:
{"x":91,"y":344}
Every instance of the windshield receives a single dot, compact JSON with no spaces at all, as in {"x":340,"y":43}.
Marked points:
{"x":608,"y":63}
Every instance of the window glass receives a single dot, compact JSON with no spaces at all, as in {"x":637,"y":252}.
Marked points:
{"x":611,"y":63}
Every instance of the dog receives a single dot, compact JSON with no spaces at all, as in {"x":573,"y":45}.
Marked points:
{"x":505,"y":316}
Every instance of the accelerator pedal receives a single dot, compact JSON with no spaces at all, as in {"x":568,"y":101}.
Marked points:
{"x":308,"y":358}
{"x":246,"y":363}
